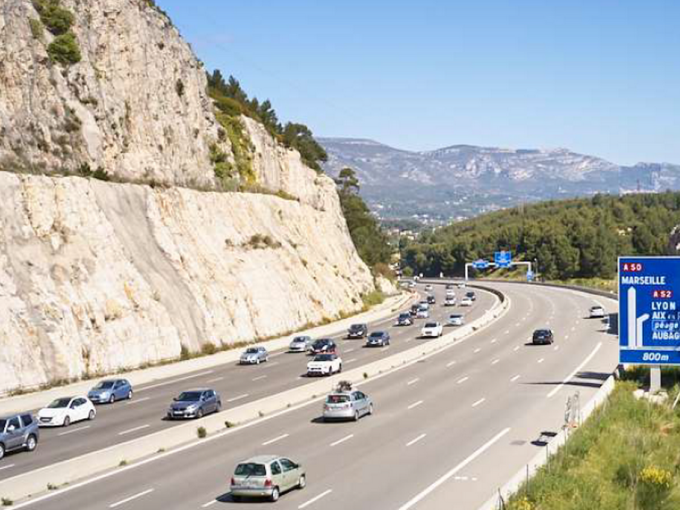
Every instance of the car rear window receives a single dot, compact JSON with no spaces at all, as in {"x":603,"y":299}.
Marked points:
{"x":337,"y":399}
{"x":250,"y":469}
{"x":431,"y":325}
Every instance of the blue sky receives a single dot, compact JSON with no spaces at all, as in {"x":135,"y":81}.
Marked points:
{"x":600,"y":77}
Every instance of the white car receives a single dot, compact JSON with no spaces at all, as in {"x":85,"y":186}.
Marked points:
{"x":466,"y":301}
{"x":597,"y":312}
{"x":450,"y":301}
{"x":324,"y":364}
{"x":455,"y":319}
{"x":64,"y":411}
{"x":428,"y":287}
{"x":432,"y":330}
{"x":423,"y":313}
{"x":461,"y":285}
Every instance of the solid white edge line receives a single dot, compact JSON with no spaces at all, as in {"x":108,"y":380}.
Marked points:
{"x":130,"y":431}
{"x":419,"y":497}
{"x":342,"y":440}
{"x":315,"y":499}
{"x":576,"y":371}
{"x":131,"y":498}
{"x":274,"y":440}
{"x":414,"y":441}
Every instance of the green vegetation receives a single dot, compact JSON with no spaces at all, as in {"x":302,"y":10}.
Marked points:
{"x":232,"y":101}
{"x":241,"y":147}
{"x":201,"y":432}
{"x":372,"y":299}
{"x":626,"y":456}
{"x":37,"y":29}
{"x":371,"y":242}
{"x":64,"y":48}
{"x":578,"y":238}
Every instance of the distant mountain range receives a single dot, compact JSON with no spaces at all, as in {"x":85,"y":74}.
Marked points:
{"x":464,"y":180}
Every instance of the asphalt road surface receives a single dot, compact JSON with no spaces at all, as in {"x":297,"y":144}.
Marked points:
{"x":446,"y":433}
{"x":237,"y":385}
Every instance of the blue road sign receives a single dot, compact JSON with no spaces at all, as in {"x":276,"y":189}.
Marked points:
{"x":502,"y":258}
{"x":649,"y":315}
{"x":530,"y":276}
{"x":480,"y":264}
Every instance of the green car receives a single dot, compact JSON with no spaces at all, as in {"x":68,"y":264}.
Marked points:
{"x":266,"y":476}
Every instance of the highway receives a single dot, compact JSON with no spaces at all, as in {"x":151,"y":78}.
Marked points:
{"x":448,"y":430}
{"x":237,"y":385}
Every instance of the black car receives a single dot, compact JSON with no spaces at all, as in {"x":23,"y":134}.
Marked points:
{"x":431,"y":300}
{"x":414,"y":310}
{"x":378,"y":339}
{"x":542,"y":337}
{"x":471,"y":295}
{"x":323,"y":346}
{"x":357,"y":331}
{"x":195,"y":404}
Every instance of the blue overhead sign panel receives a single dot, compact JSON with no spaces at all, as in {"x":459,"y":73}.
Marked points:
{"x":649,"y":316}
{"x":480,"y":264}
{"x":502,"y":258}
{"x":530,"y":276}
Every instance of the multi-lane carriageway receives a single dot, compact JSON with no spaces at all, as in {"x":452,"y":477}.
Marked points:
{"x":447,"y":430}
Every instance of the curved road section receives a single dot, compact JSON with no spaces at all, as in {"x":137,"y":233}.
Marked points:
{"x":446,"y":432}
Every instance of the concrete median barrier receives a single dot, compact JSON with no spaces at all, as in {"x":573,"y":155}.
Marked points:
{"x":67,"y":472}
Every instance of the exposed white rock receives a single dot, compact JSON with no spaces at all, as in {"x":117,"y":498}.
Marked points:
{"x":97,"y":276}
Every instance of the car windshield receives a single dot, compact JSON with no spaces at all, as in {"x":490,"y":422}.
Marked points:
{"x":323,"y":357}
{"x":404,"y":316}
{"x":299,"y":339}
{"x":321,"y":343}
{"x":250,"y":469}
{"x":337,"y":399}
{"x":251,"y":350}
{"x":456,"y":316}
{"x":104,"y":385}
{"x":59,"y":403}
{"x":377,"y":334}
{"x":431,"y":325}
{"x":356,"y":327}
{"x":190,"y":396}
{"x":542,"y":332}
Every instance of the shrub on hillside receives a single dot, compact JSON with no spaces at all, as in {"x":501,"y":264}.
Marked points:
{"x":64,"y":49}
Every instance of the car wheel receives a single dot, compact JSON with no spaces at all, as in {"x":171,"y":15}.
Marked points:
{"x":112,"y":398}
{"x":129,"y":396}
{"x":218,"y":407}
{"x":275,"y":494}
{"x":199,"y":414}
{"x":67,"y":422}
{"x":302,"y":482}
{"x":356,"y":416}
{"x":31,"y":443}
{"x":340,"y":368}
{"x":257,"y":361}
{"x":370,"y":409}
{"x":2,"y":450}
{"x":91,"y":415}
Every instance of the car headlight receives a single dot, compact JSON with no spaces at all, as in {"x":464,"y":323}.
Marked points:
{"x":106,"y":394}
{"x":192,"y":407}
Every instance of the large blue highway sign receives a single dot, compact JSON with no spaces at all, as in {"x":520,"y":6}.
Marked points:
{"x":649,"y":315}
{"x":502,"y":258}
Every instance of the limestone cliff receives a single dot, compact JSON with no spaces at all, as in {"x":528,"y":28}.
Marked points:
{"x":98,"y":276}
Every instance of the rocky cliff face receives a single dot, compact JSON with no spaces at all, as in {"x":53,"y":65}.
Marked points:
{"x":135,"y":105}
{"x":97,"y":276}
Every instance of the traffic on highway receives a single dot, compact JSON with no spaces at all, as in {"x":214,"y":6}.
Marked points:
{"x":477,"y":406}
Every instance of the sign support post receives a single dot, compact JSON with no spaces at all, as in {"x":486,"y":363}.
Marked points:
{"x":655,"y":380}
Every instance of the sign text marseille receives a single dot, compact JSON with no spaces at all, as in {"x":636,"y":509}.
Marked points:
{"x":649,"y":318}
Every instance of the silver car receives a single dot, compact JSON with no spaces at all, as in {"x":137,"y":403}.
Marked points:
{"x":300,"y":344}
{"x":347,"y":405}
{"x":254,"y":356}
{"x":266,"y":476}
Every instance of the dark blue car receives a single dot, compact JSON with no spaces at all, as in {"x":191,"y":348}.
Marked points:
{"x":110,"y":390}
